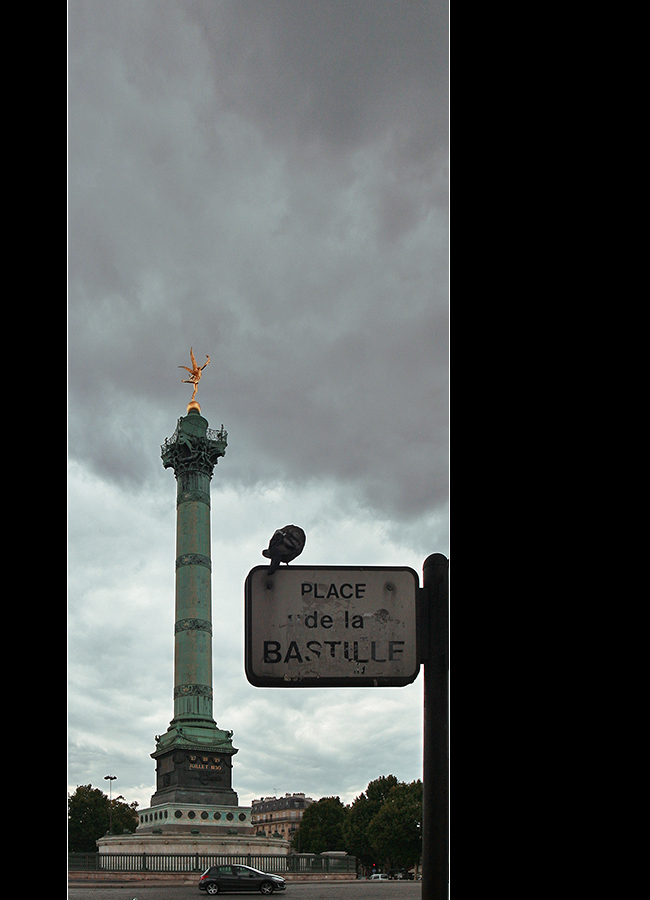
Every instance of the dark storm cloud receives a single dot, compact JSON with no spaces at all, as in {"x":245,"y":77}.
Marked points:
{"x":264,"y":182}
{"x":335,"y":72}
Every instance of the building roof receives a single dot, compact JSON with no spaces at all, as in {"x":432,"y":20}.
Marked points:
{"x":289,"y":801}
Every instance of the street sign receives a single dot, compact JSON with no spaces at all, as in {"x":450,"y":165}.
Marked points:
{"x":331,"y":626}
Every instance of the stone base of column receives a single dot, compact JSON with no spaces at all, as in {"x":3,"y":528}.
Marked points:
{"x":194,"y":765}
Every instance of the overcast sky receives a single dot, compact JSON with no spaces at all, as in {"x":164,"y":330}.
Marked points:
{"x":266,"y":181}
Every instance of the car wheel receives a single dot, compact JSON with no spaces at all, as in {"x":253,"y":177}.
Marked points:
{"x":266,"y":887}
{"x":212,"y":889}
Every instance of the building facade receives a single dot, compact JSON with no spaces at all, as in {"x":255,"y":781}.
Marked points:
{"x":279,"y":815}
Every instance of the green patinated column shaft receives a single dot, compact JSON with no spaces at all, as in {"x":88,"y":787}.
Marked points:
{"x":193,"y":452}
{"x":194,"y":756}
{"x":193,"y":624}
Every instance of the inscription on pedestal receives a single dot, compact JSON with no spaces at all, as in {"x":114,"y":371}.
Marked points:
{"x":186,"y":776}
{"x":206,"y":762}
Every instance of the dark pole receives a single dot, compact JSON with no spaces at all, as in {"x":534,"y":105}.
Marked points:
{"x":110,"y":779}
{"x":434,"y":654}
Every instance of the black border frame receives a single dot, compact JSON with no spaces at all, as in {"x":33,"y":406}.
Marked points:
{"x":266,"y":681}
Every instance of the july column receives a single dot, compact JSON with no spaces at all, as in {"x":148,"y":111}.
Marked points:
{"x":193,"y":455}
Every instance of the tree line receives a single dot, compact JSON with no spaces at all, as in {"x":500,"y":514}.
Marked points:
{"x":382,"y":826}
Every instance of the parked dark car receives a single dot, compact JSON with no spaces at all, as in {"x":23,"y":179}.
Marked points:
{"x":239,"y":878}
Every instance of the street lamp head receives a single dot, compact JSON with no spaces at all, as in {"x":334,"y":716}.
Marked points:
{"x":110,"y":779}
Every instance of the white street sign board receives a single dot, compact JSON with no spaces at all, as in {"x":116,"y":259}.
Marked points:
{"x":331,"y":626}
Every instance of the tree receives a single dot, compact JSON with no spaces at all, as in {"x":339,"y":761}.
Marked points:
{"x":395,"y":831}
{"x":322,"y":826}
{"x":357,"y":843}
{"x":89,"y":813}
{"x":379,"y":789}
{"x":362,"y":811}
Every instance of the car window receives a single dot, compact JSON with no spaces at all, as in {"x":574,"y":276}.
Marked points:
{"x":242,"y":870}
{"x":222,"y":870}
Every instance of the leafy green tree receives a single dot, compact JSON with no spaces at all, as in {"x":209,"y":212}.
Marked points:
{"x":89,"y":813}
{"x":125,"y":815}
{"x":395,"y":831}
{"x":322,"y":826}
{"x":362,"y":810}
{"x":356,"y":838}
{"x":379,"y":789}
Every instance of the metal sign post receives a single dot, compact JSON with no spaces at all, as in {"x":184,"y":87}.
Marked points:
{"x":356,"y":626}
{"x":434,"y":627}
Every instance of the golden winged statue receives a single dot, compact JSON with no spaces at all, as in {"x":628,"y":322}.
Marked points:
{"x":195,"y":373}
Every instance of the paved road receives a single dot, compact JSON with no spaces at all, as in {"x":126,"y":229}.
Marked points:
{"x":350,"y":890}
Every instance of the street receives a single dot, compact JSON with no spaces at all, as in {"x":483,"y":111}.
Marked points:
{"x":349,"y":890}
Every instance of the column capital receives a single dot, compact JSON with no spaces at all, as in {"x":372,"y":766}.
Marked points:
{"x":194,"y":447}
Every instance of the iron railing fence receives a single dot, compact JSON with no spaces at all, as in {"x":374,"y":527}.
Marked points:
{"x":304,"y":863}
